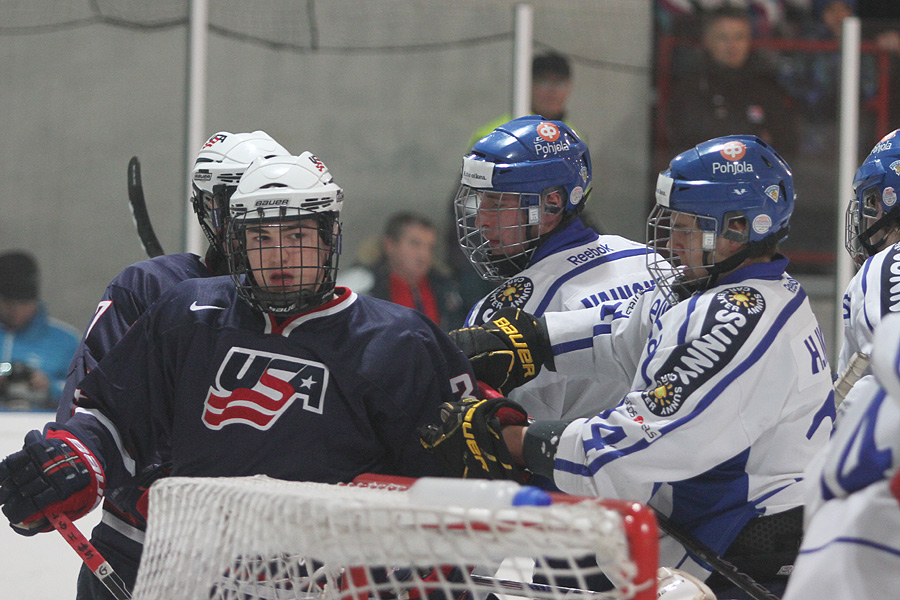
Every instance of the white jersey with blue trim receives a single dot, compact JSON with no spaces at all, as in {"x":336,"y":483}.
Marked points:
{"x":575,"y":269}
{"x":731,"y":398}
{"x":852,"y":518}
{"x":870,"y":295}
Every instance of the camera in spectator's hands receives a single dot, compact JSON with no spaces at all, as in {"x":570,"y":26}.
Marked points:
{"x":16,"y":391}
{"x":15,"y":372}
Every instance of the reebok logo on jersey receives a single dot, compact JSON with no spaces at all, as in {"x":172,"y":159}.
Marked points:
{"x":589,"y":254}
{"x":195,"y":307}
{"x":255,"y":388}
{"x":730,"y":319}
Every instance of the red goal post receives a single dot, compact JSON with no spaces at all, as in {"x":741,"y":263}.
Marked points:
{"x":254,"y":538}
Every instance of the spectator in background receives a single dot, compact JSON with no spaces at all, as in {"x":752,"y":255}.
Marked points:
{"x":679,"y":17}
{"x":731,"y":92}
{"x":404,"y":272}
{"x":813,"y":79}
{"x":551,"y":84}
{"x":35,"y":348}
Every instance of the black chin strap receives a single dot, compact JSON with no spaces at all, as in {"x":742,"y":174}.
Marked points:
{"x":877,"y":226}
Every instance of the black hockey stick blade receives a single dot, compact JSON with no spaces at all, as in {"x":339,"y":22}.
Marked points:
{"x":139,"y":210}
{"x":741,"y":580}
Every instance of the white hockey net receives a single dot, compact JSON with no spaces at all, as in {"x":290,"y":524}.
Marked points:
{"x":259,"y":538}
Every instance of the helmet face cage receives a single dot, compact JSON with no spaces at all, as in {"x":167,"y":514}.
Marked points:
{"x":284,"y":263}
{"x":693,"y":235}
{"x":498,"y":231}
{"x":211,"y":208}
{"x":871,"y":217}
{"x":853,"y":233}
{"x":874,"y":213}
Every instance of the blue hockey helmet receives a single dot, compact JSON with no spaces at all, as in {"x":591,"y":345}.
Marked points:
{"x":526,"y":159}
{"x":529,"y":155}
{"x":720,"y":183}
{"x":874,"y":209}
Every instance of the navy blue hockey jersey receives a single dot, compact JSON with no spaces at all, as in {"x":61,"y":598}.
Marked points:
{"x":323,"y":396}
{"x":125,"y":299}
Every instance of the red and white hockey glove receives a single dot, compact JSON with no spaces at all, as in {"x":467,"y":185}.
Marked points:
{"x":56,"y":473}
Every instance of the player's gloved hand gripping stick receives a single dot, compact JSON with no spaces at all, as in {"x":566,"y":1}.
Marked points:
{"x":52,"y":480}
{"x":507,"y":351}
{"x":469,"y":441}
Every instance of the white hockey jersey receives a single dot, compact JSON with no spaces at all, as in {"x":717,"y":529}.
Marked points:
{"x":731,"y":398}
{"x":575,"y":269}
{"x":852,"y":519}
{"x":871,"y":294}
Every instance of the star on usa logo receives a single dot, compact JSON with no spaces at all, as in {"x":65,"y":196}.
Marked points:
{"x":255,"y":388}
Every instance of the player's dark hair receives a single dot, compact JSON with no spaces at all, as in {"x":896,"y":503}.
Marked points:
{"x":550,"y":63}
{"x":398,"y":223}
{"x":726,"y":11}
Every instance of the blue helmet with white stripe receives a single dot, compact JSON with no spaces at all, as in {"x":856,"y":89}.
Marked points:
{"x":520,"y":183}
{"x":735,"y":187}
{"x":873,"y":213}
{"x":728,"y":177}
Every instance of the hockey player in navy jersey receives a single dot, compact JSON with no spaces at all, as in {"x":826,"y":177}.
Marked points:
{"x":851,"y":543}
{"x":271,"y":370}
{"x":524,"y":187}
{"x":731,"y":393}
{"x":218,"y":167}
{"x":872,"y":230}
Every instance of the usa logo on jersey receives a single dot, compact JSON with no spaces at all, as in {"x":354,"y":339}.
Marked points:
{"x":255,"y":388}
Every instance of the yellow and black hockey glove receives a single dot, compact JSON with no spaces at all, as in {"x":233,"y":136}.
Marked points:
{"x":507,"y":351}
{"x":469,"y":443}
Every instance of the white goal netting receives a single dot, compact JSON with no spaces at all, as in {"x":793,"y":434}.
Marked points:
{"x":259,"y":538}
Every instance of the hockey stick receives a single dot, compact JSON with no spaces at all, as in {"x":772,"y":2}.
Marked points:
{"x":730,"y":572}
{"x":741,"y":580}
{"x":852,"y":373}
{"x":139,"y":210}
{"x":519,"y":586}
{"x":95,"y":562}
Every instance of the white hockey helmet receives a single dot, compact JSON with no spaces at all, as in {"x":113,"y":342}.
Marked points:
{"x":218,"y":168}
{"x":287,"y":192}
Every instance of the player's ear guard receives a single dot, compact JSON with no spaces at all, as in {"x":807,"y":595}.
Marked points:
{"x":507,"y":351}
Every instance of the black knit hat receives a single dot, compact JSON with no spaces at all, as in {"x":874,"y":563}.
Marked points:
{"x":18,"y":276}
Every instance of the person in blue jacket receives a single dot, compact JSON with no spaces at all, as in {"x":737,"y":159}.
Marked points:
{"x":35,"y":348}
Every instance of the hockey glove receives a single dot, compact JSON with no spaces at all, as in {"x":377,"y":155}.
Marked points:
{"x":469,"y":442}
{"x":507,"y":351}
{"x":55,"y":473}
